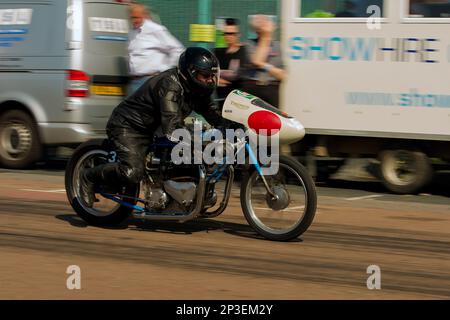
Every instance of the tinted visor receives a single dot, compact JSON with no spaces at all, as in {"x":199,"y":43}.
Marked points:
{"x":208,"y":79}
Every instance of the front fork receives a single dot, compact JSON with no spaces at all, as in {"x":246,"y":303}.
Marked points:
{"x":254,"y":159}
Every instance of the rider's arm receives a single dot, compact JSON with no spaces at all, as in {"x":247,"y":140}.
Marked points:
{"x":212,"y":114}
{"x":171,"y":117}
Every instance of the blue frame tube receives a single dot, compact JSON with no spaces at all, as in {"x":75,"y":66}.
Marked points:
{"x":253,"y":158}
{"x":126,"y":204}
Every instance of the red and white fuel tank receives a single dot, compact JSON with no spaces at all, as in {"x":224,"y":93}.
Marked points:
{"x":262,"y":118}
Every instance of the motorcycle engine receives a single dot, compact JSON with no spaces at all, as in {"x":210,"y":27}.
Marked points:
{"x":172,"y":196}
{"x":182,"y":192}
{"x":156,"y":198}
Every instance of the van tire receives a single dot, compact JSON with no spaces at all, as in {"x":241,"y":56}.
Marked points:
{"x":20,"y":146}
{"x":405,"y":171}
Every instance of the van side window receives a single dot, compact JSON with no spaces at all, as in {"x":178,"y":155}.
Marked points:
{"x":429,"y":9}
{"x":338,"y":8}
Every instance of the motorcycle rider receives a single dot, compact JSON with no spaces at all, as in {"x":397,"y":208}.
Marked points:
{"x":164,"y":100}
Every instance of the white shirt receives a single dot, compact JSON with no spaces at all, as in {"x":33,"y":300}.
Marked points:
{"x":152,"y":49}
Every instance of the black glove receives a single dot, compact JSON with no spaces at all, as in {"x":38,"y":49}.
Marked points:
{"x":166,"y":142}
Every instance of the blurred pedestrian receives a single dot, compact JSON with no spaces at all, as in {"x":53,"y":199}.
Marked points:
{"x":349,"y":10}
{"x":266,"y":71}
{"x":152,"y":48}
{"x":232,"y":59}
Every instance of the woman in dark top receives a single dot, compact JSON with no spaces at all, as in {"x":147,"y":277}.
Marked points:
{"x":232,"y":59}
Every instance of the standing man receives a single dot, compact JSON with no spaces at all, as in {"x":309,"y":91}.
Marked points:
{"x":233,"y":59}
{"x":152,"y":49}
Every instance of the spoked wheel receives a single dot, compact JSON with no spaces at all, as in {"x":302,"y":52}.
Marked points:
{"x":287,"y":212}
{"x":104,"y":212}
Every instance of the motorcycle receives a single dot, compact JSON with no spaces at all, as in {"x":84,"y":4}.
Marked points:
{"x":279,"y":205}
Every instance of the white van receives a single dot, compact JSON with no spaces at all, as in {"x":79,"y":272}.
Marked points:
{"x":62,"y":71}
{"x":372,"y":78}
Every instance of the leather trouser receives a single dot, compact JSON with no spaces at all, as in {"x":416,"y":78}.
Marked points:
{"x":131,"y":148}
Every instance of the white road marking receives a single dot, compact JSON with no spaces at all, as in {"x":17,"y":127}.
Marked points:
{"x":45,"y":191}
{"x":295,"y":208}
{"x":364,"y":198}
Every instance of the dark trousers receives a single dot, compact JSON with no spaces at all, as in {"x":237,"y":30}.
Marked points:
{"x":131,"y":148}
{"x":269,"y":93}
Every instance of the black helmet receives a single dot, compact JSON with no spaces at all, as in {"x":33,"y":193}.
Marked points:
{"x":199,"y":70}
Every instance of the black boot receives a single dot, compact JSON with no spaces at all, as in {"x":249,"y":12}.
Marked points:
{"x":104,"y":178}
{"x":108,"y":178}
{"x":105,"y":174}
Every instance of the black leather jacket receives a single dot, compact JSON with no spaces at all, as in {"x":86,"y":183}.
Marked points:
{"x":163,"y":101}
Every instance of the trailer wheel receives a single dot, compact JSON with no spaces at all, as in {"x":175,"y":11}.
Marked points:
{"x":405,"y":171}
{"x":19,"y":141}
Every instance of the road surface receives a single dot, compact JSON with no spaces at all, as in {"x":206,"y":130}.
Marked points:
{"x":407,"y":237}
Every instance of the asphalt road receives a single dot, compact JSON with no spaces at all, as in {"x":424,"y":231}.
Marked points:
{"x":407,"y":237}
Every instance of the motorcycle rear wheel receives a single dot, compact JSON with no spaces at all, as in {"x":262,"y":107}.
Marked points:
{"x":105,"y":212}
{"x":292,"y":214}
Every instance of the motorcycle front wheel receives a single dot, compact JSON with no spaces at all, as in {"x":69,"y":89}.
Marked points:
{"x":288,"y":210}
